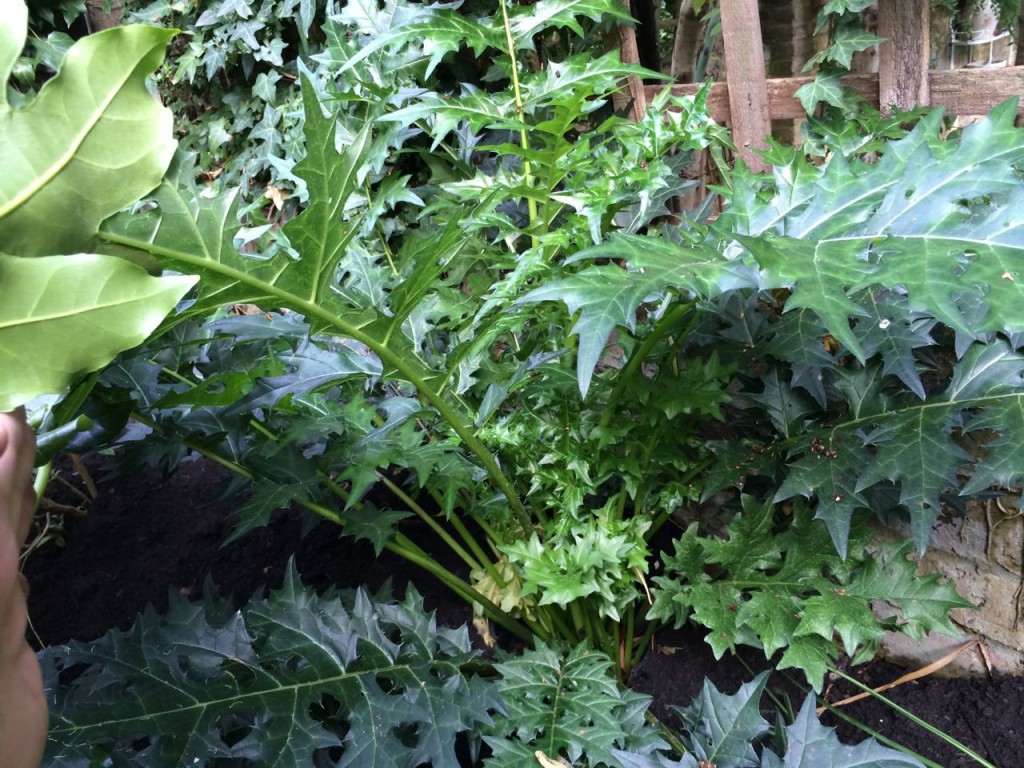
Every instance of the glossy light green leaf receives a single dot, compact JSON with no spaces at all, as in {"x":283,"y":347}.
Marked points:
{"x":62,"y":316}
{"x":12,"y":38}
{"x":94,"y":139}
{"x":91,"y":142}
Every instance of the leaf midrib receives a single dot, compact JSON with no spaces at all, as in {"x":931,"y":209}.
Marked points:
{"x":65,"y":159}
{"x":293,"y":688}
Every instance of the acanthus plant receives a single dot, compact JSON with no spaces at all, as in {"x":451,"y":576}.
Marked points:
{"x":408,"y":338}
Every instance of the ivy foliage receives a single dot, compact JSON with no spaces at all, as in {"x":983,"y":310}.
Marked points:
{"x":231,"y":81}
{"x":292,"y":679}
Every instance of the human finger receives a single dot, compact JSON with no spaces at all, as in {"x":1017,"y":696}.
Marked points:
{"x":17,"y":457}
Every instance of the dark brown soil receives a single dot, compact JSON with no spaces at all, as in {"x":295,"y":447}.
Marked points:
{"x":145,"y":536}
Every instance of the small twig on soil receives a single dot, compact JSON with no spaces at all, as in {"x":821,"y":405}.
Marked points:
{"x":49,"y":505}
{"x":79,"y":465}
{"x":935,"y":666}
{"x":984,"y":657}
{"x":72,"y":488}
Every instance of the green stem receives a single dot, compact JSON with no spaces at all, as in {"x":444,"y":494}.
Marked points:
{"x":608,"y":636}
{"x":579,"y":624}
{"x":915,"y":719}
{"x":627,"y":643}
{"x":664,"y":326}
{"x":477,"y":550}
{"x":560,"y":627}
{"x":666,"y":514}
{"x":641,"y":647}
{"x":196,"y":447}
{"x":524,"y":139}
{"x":423,"y":515}
{"x":310,"y":308}
{"x":42,"y":479}
{"x":882,"y":738}
{"x":463,"y":590}
{"x":402,"y":546}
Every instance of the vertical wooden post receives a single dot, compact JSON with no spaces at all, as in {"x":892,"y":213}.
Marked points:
{"x":903,"y":57}
{"x":629,"y":53}
{"x":748,"y":89}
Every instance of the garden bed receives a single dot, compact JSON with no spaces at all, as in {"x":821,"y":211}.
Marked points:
{"x":146,"y":536}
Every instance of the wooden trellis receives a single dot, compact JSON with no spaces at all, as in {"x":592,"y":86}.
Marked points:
{"x":749,"y":101}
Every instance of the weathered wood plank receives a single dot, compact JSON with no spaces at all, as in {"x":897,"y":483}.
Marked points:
{"x":748,"y":96}
{"x":960,"y":91}
{"x":903,"y":56}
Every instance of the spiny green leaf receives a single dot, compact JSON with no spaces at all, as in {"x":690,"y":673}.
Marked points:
{"x":566,"y":705}
{"x":527,"y":21}
{"x":321,"y":232}
{"x":275,"y":683}
{"x":607,"y":296}
{"x":810,"y":745}
{"x":812,"y":655}
{"x":790,"y":591}
{"x":378,"y":526}
{"x":938,"y":219}
{"x":476,"y":107}
{"x":799,"y":338}
{"x":839,"y":613}
{"x":313,"y":368}
{"x":583,"y":74}
{"x":266,"y":499}
{"x":922,"y":603}
{"x":1003,"y":462}
{"x":828,"y":472}
{"x":786,"y":407}
{"x":195,"y":232}
{"x":914,"y":445}
{"x":725,"y":728}
{"x":891,"y":330}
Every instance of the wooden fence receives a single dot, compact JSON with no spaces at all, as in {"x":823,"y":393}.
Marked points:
{"x":749,"y":101}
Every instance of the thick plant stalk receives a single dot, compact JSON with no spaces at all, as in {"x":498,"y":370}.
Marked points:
{"x":385,"y":353}
{"x":524,"y":138}
{"x":402,"y":546}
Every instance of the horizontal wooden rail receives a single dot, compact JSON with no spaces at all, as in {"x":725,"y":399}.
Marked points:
{"x":960,"y":91}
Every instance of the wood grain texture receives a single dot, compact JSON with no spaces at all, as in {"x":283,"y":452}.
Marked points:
{"x":748,"y":94}
{"x":634,"y":96}
{"x":903,"y":56}
{"x":960,"y":91}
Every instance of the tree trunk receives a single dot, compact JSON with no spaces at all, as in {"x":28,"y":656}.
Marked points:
{"x":684,"y":44}
{"x":903,"y":57}
{"x":102,"y":14}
